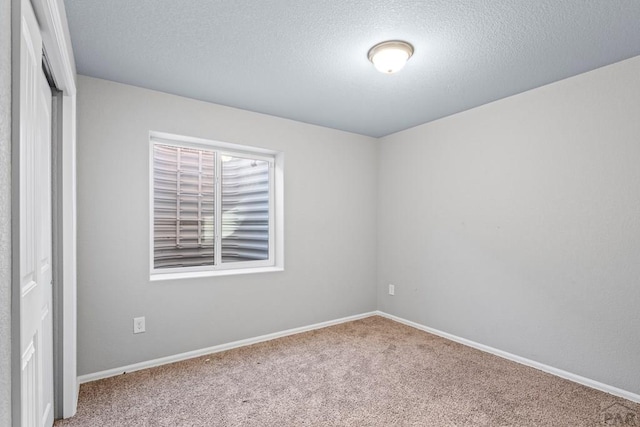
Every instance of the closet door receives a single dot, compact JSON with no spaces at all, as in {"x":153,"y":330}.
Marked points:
{"x":35,"y":249}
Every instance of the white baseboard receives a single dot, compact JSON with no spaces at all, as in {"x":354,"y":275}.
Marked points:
{"x":215,"y":349}
{"x":249,"y":341}
{"x":523,"y":361}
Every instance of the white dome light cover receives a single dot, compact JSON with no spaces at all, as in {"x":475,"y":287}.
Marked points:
{"x":390,"y":57}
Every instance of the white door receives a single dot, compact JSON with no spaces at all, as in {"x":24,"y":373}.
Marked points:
{"x":36,"y":334}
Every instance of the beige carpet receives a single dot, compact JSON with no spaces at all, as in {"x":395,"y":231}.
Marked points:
{"x":371,"y":372}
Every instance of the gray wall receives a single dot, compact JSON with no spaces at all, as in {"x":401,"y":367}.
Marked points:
{"x":330,"y":203}
{"x":514,"y":225}
{"x":5,"y":212}
{"x":517,"y":224}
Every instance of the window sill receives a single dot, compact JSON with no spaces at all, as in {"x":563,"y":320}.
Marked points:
{"x":196,"y":274}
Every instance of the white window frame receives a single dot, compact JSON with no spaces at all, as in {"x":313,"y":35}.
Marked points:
{"x":275,"y":262}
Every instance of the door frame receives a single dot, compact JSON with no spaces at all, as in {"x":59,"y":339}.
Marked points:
{"x":56,"y":39}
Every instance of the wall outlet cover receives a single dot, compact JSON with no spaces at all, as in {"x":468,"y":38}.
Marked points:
{"x":138,"y":325}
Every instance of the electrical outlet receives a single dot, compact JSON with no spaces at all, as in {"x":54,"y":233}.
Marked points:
{"x":138,"y":325}
{"x":392,"y":289}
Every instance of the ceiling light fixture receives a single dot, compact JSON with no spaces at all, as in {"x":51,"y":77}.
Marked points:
{"x":389,"y":57}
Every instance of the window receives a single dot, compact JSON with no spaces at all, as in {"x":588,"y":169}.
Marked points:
{"x":213,"y":208}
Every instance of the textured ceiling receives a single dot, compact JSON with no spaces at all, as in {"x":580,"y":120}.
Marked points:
{"x":307,"y":60}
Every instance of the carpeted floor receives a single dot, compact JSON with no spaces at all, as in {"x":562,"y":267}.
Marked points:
{"x":371,"y":372}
